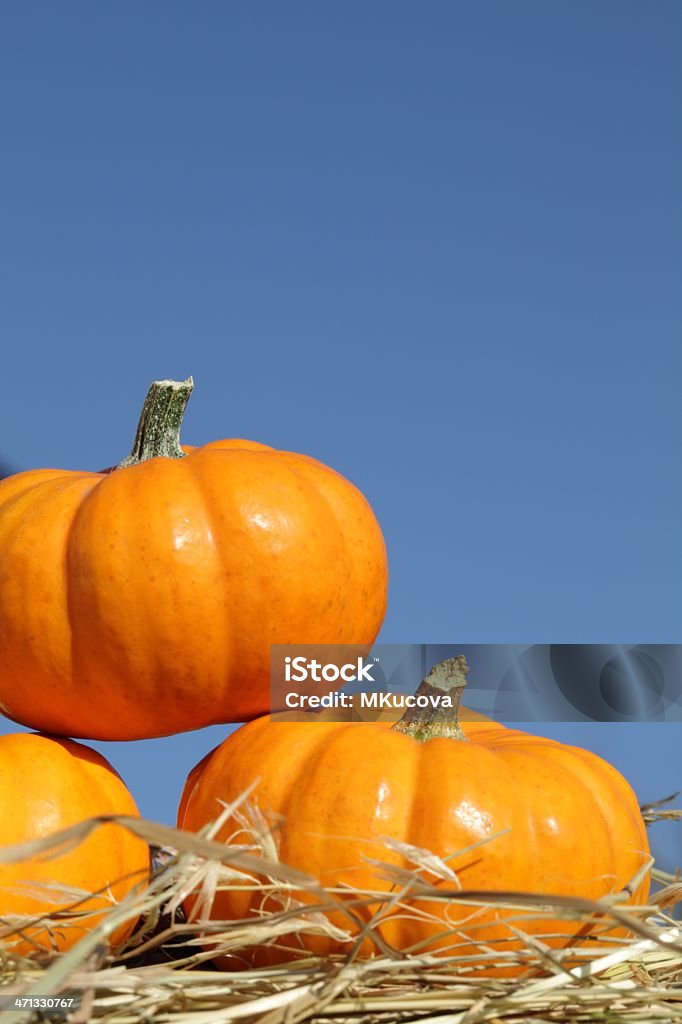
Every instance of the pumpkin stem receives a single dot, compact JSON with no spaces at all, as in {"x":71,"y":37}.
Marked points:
{"x":158,"y":432}
{"x":446,"y":679}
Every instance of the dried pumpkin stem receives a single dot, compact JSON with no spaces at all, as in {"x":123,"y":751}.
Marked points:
{"x":439,"y":717}
{"x":158,"y":432}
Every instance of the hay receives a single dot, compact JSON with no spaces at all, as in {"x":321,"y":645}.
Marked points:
{"x":164,"y":972}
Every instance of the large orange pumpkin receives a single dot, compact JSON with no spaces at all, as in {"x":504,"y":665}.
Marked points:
{"x":47,"y":785}
{"x":529,"y":814}
{"x":143,"y":601}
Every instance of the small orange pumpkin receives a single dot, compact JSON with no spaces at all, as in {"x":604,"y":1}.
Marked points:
{"x":143,"y":601}
{"x":47,"y":785}
{"x":530,"y":814}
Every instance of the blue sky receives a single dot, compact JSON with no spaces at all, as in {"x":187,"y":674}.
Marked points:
{"x":435,"y":245}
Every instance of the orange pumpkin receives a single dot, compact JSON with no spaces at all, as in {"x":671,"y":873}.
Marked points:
{"x":47,"y":785}
{"x":529,"y":814}
{"x":143,"y":601}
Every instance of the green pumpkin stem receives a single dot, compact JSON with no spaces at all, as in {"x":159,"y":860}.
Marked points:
{"x":158,"y":432}
{"x":448,"y":678}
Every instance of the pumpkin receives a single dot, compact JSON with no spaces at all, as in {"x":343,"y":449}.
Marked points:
{"x":509,"y":811}
{"x":47,"y":785}
{"x":143,"y":601}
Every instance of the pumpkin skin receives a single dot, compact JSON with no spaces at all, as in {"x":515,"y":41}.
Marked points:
{"x":574,"y":823}
{"x":47,"y":785}
{"x":143,"y":602}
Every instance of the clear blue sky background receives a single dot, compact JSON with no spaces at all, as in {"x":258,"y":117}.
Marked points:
{"x":436,"y":245}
